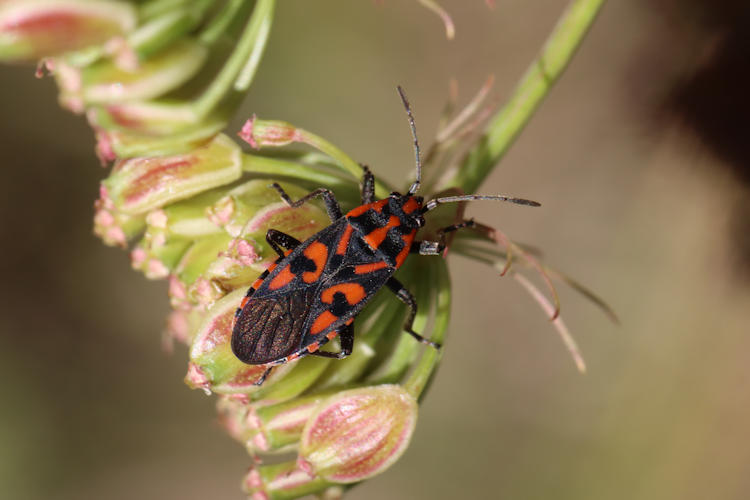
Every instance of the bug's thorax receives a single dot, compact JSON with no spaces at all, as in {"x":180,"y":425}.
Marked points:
{"x":389,"y":226}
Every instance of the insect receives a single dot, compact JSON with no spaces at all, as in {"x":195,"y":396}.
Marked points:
{"x":315,"y":289}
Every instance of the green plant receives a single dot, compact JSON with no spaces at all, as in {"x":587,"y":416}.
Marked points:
{"x":158,"y":80}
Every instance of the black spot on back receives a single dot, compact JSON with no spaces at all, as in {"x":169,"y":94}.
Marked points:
{"x":301,"y":264}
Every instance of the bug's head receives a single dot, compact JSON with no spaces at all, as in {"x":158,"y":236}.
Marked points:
{"x":408,"y":209}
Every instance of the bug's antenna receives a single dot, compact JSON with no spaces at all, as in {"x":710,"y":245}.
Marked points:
{"x":414,"y":187}
{"x":469,"y":197}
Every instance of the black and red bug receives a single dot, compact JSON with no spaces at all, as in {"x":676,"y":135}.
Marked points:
{"x":316,"y":288}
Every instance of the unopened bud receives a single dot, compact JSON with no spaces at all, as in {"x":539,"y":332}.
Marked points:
{"x":139,"y":185}
{"x":112,"y":226}
{"x":30,"y":30}
{"x":282,"y":481}
{"x":259,"y":133}
{"x":106,"y":82}
{"x":358,"y":433}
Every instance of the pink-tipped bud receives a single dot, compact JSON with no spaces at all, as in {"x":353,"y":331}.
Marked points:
{"x":358,"y":433}
{"x":112,"y":226}
{"x":106,"y":82}
{"x":139,"y":185}
{"x":284,"y":480}
{"x":252,"y":208}
{"x":30,"y":30}
{"x":259,"y":133}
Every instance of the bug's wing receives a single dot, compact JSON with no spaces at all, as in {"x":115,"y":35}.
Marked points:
{"x":340,"y":298}
{"x":306,"y":266}
{"x":271,"y":328}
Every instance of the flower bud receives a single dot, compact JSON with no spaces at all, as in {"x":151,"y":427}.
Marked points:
{"x":237,"y":417}
{"x":32,"y":29}
{"x":253,"y":207}
{"x":358,"y":433}
{"x":264,"y":427}
{"x":106,"y":82}
{"x":283,"y":481}
{"x":130,"y":140}
{"x":248,"y":212}
{"x":280,"y":425}
{"x":170,"y":232}
{"x":139,"y":185}
{"x":112,"y":226}
{"x":259,"y":133}
{"x":186,"y":218}
{"x":191,"y":271}
{"x":155,"y":257}
{"x":181,"y":326}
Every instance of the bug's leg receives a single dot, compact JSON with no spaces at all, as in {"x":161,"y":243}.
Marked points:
{"x":264,"y":376}
{"x":407,"y":298}
{"x":332,"y":206}
{"x":279,"y":241}
{"x":368,"y":186}
{"x":437,"y":247}
{"x":347,"y":344}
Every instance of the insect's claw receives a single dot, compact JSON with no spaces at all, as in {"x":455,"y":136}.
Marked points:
{"x":263,"y":377}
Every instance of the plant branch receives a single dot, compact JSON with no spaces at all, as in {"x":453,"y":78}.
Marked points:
{"x":534,"y":86}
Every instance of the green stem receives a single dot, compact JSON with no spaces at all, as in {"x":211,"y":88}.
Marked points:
{"x":163,"y":30}
{"x":155,"y":8}
{"x":279,"y":133}
{"x":219,"y":24}
{"x":255,"y":35}
{"x":253,"y":164}
{"x":422,"y":374}
{"x":528,"y":95}
{"x":393,"y":368}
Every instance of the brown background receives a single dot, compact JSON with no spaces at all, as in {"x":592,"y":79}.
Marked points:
{"x":633,"y":206}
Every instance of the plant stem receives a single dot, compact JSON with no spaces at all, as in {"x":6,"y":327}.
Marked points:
{"x":420,"y":377}
{"x":505,"y":126}
{"x":254,"y":35}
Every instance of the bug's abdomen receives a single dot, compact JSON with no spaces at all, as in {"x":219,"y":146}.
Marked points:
{"x":272,"y":327}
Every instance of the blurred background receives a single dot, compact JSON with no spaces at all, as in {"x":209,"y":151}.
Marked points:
{"x":640,"y":159}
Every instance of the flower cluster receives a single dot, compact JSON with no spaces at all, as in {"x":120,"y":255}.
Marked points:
{"x":158,"y":81}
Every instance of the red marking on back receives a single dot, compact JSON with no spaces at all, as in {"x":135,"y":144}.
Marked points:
{"x":282,"y":279}
{"x":257,"y":283}
{"x":287,"y":252}
{"x":354,"y":212}
{"x":318,"y":253}
{"x":377,"y":206}
{"x":408,"y":240}
{"x":344,"y":241}
{"x":410,"y":206}
{"x":332,"y":335}
{"x":313,"y":347}
{"x":322,"y":322}
{"x":354,"y":292}
{"x":349,"y":321}
{"x":244,"y":301}
{"x":292,"y":357}
{"x":368,"y":268}
{"x":376,"y":236}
